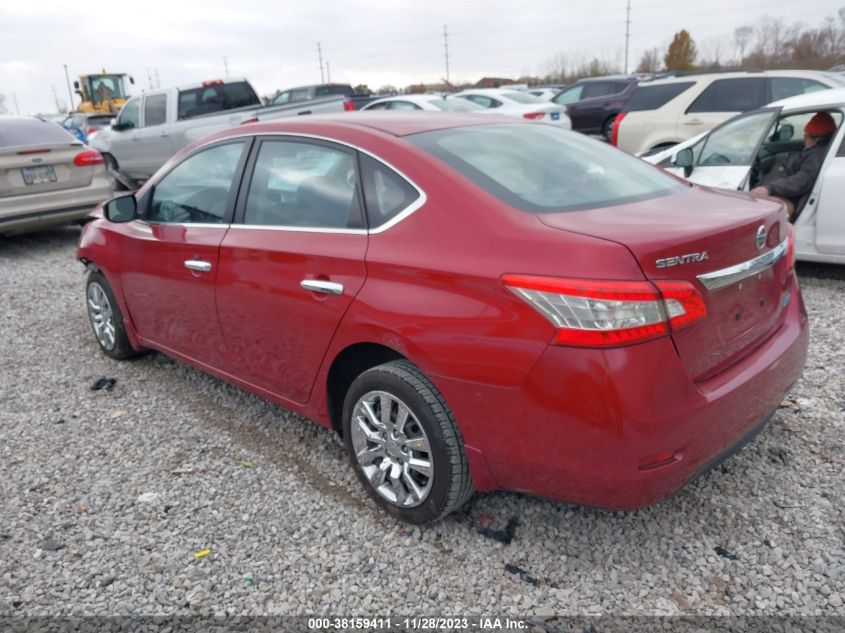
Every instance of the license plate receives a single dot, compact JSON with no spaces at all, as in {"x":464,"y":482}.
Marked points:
{"x":38,"y":175}
{"x":555,"y":116}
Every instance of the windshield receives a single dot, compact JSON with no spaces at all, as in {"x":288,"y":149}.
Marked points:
{"x":105,"y":87}
{"x":456,"y":105}
{"x":541,"y":169}
{"x":522,"y":97}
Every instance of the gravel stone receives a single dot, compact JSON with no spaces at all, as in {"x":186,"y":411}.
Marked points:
{"x":141,"y":476}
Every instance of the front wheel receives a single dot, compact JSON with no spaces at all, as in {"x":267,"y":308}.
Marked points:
{"x":404,"y":443}
{"x":112,"y":174}
{"x":106,"y":318}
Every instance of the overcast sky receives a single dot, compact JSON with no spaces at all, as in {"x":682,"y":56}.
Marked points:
{"x":273,"y":43}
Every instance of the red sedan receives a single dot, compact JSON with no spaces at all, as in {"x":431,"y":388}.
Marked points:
{"x":472,"y":303}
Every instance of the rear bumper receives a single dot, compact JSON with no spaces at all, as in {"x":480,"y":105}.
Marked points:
{"x":622,"y":428}
{"x":35,"y":211}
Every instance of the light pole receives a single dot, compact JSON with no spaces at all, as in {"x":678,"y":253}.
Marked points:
{"x":69,"y":91}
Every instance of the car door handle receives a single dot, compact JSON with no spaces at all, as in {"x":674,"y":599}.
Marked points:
{"x":165,"y":133}
{"x":195,"y":264}
{"x":326,"y":287}
{"x":694,"y":122}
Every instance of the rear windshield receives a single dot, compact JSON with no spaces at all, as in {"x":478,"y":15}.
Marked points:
{"x":216,"y":98}
{"x":653,"y":97}
{"x":101,"y":120}
{"x":457,"y":105}
{"x":541,"y":169}
{"x":23,"y":132}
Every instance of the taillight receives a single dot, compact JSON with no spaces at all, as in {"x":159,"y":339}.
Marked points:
{"x":90,"y":130}
{"x":790,"y":246}
{"x":89,"y":158}
{"x":614,"y":130}
{"x":591,"y":313}
{"x":349,"y":105}
{"x":213,"y":82}
{"x":533,"y":115}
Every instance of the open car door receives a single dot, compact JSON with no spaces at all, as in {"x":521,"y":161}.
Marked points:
{"x":725,"y":156}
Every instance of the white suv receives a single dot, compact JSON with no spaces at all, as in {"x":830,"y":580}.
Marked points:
{"x":664,"y":112}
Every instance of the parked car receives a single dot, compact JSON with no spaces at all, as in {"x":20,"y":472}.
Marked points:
{"x":665,"y":112}
{"x":304,"y":94}
{"x":593,"y":103}
{"x":738,"y":154}
{"x":153,"y":126}
{"x":433,"y":103}
{"x":546,"y":94}
{"x":84,"y":124}
{"x":517,"y":104}
{"x":47,"y":177}
{"x":471,"y":304}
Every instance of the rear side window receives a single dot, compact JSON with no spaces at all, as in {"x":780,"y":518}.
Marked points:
{"x":23,"y":132}
{"x":731,"y":95}
{"x":299,"y":184}
{"x":404,"y":105}
{"x":323,"y":91}
{"x":216,"y":98}
{"x":386,"y":193}
{"x":784,"y":87}
{"x":155,"y":110}
{"x":541,"y":169}
{"x":483,"y":101}
{"x":601,"y":89}
{"x":654,"y":97}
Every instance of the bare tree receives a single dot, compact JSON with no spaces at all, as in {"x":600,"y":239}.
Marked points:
{"x":711,"y":53}
{"x":742,"y":38}
{"x":556,"y":67}
{"x":650,"y":61}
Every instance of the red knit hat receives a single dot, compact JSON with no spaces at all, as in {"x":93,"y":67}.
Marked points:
{"x":822,"y":124}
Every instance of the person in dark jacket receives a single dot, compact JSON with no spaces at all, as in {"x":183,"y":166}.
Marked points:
{"x":802,"y":172}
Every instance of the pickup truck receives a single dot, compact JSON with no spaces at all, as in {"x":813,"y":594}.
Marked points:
{"x":310,"y":94}
{"x":155,"y":125}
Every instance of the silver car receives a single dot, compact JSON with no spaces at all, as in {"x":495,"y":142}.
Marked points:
{"x":47,"y":177}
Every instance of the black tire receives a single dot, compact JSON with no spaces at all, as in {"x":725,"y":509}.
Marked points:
{"x":451,"y":483}
{"x":121,"y":349}
{"x":111,"y":174}
{"x":607,"y":128}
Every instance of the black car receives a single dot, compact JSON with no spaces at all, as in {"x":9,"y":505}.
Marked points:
{"x":593,"y":103}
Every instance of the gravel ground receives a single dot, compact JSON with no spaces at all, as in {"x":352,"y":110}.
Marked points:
{"x":110,"y":497}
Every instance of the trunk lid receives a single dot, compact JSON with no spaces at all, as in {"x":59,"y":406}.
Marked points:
{"x":669,"y":236}
{"x":42,"y":168}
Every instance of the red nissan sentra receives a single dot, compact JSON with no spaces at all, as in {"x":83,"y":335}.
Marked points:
{"x":472,"y":303}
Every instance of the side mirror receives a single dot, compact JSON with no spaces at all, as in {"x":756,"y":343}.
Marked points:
{"x":76,"y":85}
{"x":684,"y":159}
{"x":131,"y":80}
{"x":786,"y":132}
{"x":122,"y":209}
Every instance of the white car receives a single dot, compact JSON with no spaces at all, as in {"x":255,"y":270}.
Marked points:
{"x":664,"y":112}
{"x":739,"y":153}
{"x":430,"y":102}
{"x":518,"y":104}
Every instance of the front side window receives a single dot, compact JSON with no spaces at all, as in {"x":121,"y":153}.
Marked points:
{"x":731,"y":95}
{"x":784,"y":87}
{"x":540,"y":169}
{"x":298,"y":184}
{"x":198,"y":189}
{"x":600,"y":89}
{"x":155,"y":110}
{"x":569,"y":95}
{"x":734,"y":143}
{"x":284,"y":97}
{"x":130,"y":115}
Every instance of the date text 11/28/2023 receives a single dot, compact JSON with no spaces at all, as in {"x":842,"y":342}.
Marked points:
{"x":418,"y":623}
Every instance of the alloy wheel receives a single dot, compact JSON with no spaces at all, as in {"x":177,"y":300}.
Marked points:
{"x":101,"y":315}
{"x":392,"y":449}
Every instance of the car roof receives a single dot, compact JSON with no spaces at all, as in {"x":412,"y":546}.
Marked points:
{"x":395,"y":123}
{"x":712,"y":76}
{"x":413,"y":98}
{"x":817,"y":99}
